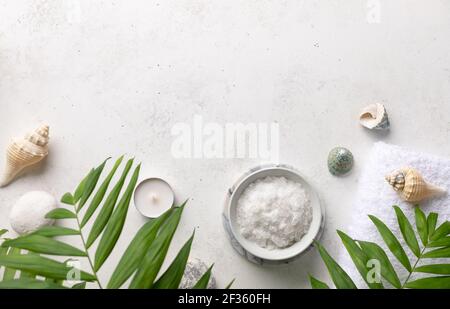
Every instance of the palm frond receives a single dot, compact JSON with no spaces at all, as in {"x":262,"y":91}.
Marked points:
{"x":435,"y":244}
{"x":142,"y":260}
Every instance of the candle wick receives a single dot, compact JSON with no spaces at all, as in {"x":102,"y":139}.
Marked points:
{"x":154,"y":197}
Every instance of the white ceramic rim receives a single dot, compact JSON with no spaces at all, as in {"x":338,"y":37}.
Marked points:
{"x":145,"y":180}
{"x":276,"y":254}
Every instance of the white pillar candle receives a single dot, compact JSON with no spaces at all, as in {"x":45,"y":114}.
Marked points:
{"x":153,"y":197}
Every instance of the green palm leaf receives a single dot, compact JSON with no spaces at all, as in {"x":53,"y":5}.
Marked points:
{"x":115,"y":224}
{"x":60,"y":213}
{"x":41,"y":266}
{"x":172,"y":276}
{"x":340,"y":278}
{"x":51,"y":231}
{"x":317,"y":284}
{"x":421,"y":224}
{"x":24,"y":274}
{"x":108,"y":207}
{"x":431,"y":223}
{"x":430,"y":283}
{"x":359,"y":258}
{"x":10,"y":273}
{"x":430,"y":236}
{"x":98,"y":197}
{"x":3,"y":251}
{"x":229,"y":285}
{"x":136,"y":250}
{"x":202,"y":283}
{"x":442,"y":242}
{"x":79,"y":286}
{"x":407,"y":231}
{"x":392,"y":242}
{"x":55,"y":281}
{"x":438,"y":269}
{"x":29,"y":283}
{"x":68,"y":199}
{"x":91,"y":183}
{"x":42,"y":244}
{"x":442,"y":231}
{"x":374,"y":251}
{"x":154,"y":257}
{"x":438,"y":253}
{"x":80,"y":188}
{"x":143,"y":257}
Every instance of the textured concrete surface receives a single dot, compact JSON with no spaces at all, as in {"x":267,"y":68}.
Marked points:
{"x":113,"y":77}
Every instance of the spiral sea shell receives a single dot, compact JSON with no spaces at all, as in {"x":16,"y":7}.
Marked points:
{"x":375,"y":117}
{"x":411,"y":186}
{"x":25,"y":152}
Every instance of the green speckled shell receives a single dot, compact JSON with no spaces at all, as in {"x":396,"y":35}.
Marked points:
{"x":340,"y":161}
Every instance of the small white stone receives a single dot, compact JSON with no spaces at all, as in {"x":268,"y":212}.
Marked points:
{"x":28,"y":214}
{"x":194,"y":270}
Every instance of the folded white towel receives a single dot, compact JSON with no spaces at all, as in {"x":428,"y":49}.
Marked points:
{"x":376,"y":197}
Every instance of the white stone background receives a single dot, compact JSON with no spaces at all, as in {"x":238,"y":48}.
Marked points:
{"x":112,"y":77}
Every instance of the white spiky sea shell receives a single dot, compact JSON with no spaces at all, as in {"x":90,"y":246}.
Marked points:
{"x":24,"y":152}
{"x":411,"y":186}
{"x":374,"y":116}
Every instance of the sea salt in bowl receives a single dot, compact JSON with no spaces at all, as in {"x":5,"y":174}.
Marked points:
{"x":250,"y":249}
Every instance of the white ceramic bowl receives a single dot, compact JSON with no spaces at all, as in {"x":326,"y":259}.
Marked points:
{"x":276,"y":255}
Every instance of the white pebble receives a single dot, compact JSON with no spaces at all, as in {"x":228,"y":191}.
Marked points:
{"x":28,"y":214}
{"x":194,"y":270}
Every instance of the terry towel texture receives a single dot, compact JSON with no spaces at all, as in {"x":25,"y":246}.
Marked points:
{"x":376,"y":197}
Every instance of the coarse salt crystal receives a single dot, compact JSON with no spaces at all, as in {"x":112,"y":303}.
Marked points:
{"x":274,"y":212}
